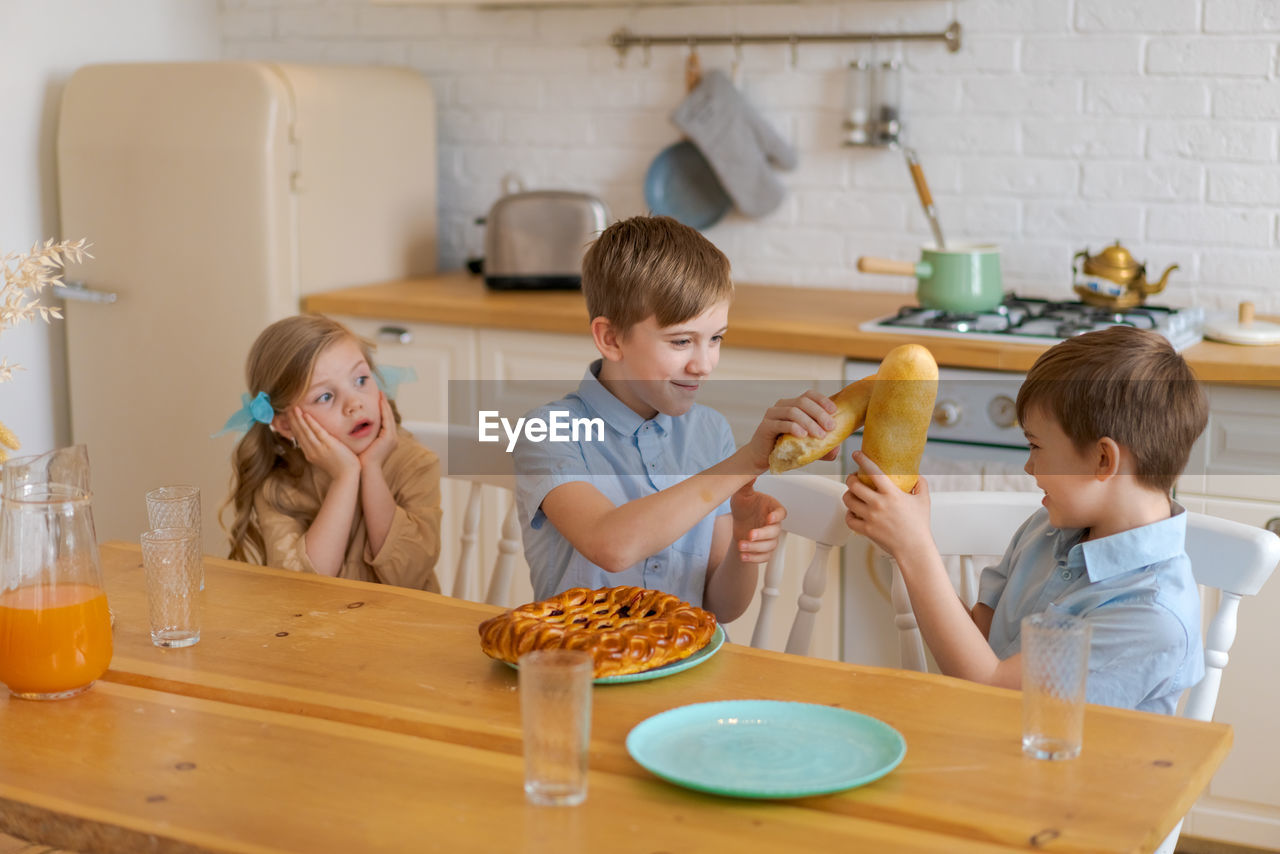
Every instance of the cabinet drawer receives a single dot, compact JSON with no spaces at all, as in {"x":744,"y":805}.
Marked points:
{"x":1241,"y":451}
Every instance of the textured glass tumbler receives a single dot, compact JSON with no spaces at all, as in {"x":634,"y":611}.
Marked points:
{"x":555,"y":706}
{"x":174,"y":507}
{"x":1055,"y":666}
{"x":175,"y":585}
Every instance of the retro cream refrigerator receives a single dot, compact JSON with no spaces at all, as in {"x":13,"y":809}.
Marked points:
{"x":215,"y":195}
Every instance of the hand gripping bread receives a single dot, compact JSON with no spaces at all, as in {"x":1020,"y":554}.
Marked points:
{"x":626,"y":629}
{"x":899,"y":413}
{"x":792,"y":452}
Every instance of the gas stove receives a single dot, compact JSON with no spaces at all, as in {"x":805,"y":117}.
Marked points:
{"x":1038,"y":320}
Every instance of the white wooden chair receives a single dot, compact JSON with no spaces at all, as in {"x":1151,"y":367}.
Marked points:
{"x":966,"y":525}
{"x":815,"y":511}
{"x":1231,"y":558}
{"x":485,"y":465}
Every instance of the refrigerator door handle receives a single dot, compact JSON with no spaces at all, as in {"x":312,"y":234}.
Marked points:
{"x":396,"y":334}
{"x":80,"y":292}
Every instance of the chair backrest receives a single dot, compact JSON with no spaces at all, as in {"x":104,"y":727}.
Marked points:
{"x":485,"y":465}
{"x":966,"y":525}
{"x":1235,"y":559}
{"x":815,"y":512}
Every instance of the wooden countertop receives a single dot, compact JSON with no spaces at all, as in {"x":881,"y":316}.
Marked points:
{"x":325,"y":715}
{"x":767,"y":317}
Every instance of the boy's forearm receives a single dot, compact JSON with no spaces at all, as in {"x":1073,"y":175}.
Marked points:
{"x":626,"y":534}
{"x":954,"y":639}
{"x":731,"y":582}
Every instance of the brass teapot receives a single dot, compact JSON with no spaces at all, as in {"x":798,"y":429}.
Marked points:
{"x":1113,"y":279}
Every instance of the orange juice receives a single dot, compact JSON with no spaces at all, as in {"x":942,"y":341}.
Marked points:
{"x":53,"y":638}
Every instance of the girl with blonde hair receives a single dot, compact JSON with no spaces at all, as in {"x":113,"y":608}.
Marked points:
{"x":324,"y":479}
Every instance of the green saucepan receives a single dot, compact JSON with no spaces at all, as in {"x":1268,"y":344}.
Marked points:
{"x":964,"y":277}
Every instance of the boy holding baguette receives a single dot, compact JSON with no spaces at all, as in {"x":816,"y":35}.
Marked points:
{"x":624,"y":509}
{"x":1110,"y":417}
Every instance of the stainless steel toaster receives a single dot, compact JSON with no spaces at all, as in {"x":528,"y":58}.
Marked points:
{"x":537,"y":239}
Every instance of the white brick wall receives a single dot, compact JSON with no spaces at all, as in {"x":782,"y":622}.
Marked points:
{"x":1060,"y":125}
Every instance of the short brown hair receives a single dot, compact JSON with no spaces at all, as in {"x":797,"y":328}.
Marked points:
{"x":653,"y":265}
{"x":1127,"y":384}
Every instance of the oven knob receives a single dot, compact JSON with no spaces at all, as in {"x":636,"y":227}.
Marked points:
{"x":946,"y":414}
{"x":1003,"y":412}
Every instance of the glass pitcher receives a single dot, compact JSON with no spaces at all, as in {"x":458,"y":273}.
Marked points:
{"x":55,"y":628}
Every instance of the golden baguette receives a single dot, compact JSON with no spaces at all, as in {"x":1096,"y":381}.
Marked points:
{"x":792,"y":452}
{"x":899,"y":413}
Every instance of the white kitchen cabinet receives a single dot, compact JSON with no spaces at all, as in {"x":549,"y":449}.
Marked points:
{"x":515,"y":371}
{"x":1235,"y":473}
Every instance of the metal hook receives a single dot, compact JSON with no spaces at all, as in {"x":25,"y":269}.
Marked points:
{"x":735,"y":68}
{"x":645,"y":52}
{"x":795,"y":51}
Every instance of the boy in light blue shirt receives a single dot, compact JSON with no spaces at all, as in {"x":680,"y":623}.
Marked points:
{"x":662,"y":499}
{"x":1110,"y":417}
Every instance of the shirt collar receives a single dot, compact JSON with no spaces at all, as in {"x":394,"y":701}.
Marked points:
{"x":620,"y":417}
{"x":1138,"y":547}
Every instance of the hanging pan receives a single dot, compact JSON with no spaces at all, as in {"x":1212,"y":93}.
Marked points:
{"x":680,"y":183}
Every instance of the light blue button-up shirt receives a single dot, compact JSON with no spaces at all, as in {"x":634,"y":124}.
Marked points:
{"x":637,"y":457}
{"x":1134,"y":588}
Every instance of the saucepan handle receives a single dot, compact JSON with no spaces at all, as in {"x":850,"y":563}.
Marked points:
{"x":888,"y":266}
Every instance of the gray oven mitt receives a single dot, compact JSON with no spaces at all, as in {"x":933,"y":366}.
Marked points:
{"x":738,"y":143}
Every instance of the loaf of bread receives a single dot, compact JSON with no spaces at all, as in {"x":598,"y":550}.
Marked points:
{"x":626,"y":629}
{"x":792,"y":452}
{"x":899,"y":414}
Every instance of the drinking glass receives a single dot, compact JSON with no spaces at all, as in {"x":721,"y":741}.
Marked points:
{"x":555,"y":706}
{"x":55,"y":628}
{"x":1055,"y":666}
{"x":174,"y":507}
{"x":174,"y":576}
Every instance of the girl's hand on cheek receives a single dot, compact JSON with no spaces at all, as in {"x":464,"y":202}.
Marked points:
{"x":321,"y":448}
{"x":387,"y":438}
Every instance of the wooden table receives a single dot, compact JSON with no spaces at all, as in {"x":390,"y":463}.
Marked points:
{"x":322,"y":715}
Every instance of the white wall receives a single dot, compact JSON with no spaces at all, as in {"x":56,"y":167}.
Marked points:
{"x":1060,"y":125}
{"x":41,"y":43}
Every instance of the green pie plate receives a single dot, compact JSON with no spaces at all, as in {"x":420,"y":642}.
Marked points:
{"x":712,"y":647}
{"x":766,"y":748}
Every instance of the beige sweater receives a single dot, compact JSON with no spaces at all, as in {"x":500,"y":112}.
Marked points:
{"x":286,"y":507}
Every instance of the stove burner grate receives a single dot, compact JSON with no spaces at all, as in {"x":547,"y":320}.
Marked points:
{"x":1029,"y":317}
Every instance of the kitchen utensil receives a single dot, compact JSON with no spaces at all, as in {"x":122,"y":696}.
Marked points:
{"x":680,"y":183}
{"x":962,"y":278}
{"x":1113,"y":278}
{"x":926,"y":198}
{"x":536,"y":240}
{"x":1243,"y":330}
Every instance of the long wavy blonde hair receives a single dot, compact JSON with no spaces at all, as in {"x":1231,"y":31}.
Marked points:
{"x":280,"y":363}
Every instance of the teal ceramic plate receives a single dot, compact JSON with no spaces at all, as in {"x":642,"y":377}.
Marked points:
{"x":766,"y":748}
{"x":712,"y":647}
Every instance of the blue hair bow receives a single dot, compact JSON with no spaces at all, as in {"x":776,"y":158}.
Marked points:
{"x":257,"y":409}
{"x":389,"y":377}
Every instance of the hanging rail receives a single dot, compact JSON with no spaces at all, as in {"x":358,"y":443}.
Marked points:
{"x":623,"y":39}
